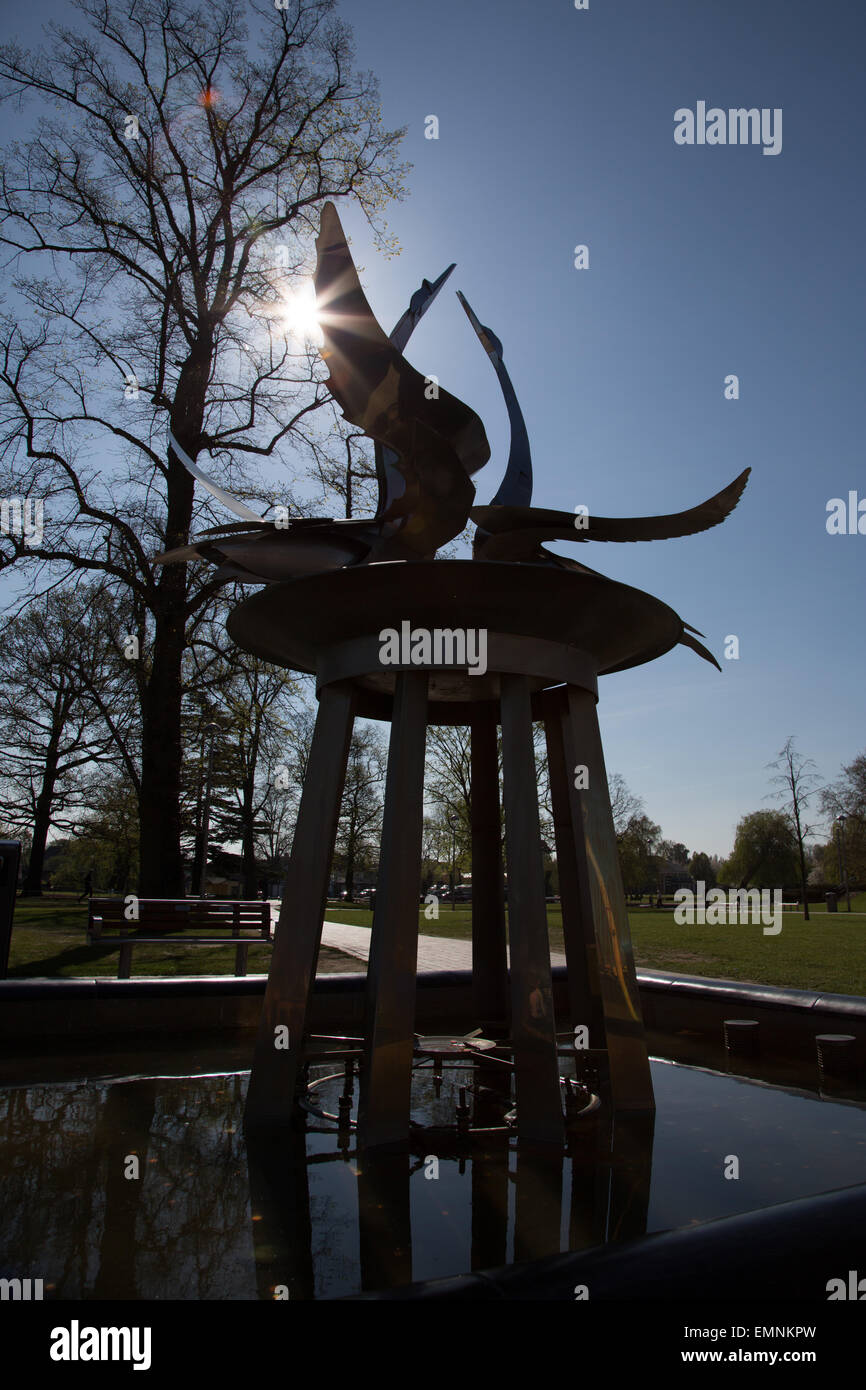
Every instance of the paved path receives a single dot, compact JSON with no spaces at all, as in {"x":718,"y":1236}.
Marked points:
{"x":434,"y":952}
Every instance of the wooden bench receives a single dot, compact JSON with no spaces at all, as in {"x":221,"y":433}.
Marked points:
{"x":156,"y":917}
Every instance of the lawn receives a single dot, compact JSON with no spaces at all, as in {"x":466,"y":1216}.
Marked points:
{"x":828,"y":952}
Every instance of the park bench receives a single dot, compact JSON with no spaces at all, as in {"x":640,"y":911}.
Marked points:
{"x":157,"y":917}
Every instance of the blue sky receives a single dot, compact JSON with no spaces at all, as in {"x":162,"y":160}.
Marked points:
{"x":556,"y":128}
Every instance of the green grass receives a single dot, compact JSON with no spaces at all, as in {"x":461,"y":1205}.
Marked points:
{"x":828,"y":952}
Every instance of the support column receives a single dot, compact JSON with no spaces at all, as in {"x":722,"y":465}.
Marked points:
{"x":539,"y":1103}
{"x":630,"y":1078}
{"x":489,"y":959}
{"x":270,"y":1098}
{"x":584,"y":989}
{"x":386,"y":1076}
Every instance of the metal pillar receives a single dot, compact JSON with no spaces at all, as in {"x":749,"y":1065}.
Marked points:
{"x":274,"y":1076}
{"x":10,"y":859}
{"x":386,"y":1076}
{"x":533,"y":1031}
{"x":578,"y":930}
{"x":489,"y":957}
{"x":595,"y":841}
{"x":602,"y":983}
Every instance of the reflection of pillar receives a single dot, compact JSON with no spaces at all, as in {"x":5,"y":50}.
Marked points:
{"x":384,"y":1226}
{"x":386,"y":1077}
{"x":490,"y":1166}
{"x":538,"y":1205}
{"x":539,"y":1105}
{"x":590,"y":1182}
{"x":280,"y":1210}
{"x":595,"y":854}
{"x":123,"y":1129}
{"x":296,"y":945}
{"x":631,"y":1173}
{"x":489,"y":962}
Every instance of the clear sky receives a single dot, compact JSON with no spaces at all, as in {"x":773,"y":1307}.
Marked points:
{"x":556,"y":128}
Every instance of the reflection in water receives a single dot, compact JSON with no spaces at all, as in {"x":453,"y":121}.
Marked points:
{"x":213,"y":1216}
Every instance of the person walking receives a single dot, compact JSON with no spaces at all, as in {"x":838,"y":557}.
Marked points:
{"x":88,"y":886}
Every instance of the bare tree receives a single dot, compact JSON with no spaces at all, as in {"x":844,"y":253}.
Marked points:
{"x":55,"y":742}
{"x":796,"y":784}
{"x":361,"y":808}
{"x":845,"y":802}
{"x":159,"y":218}
{"x":623,"y":803}
{"x":255,"y":703}
{"x":448,"y":779}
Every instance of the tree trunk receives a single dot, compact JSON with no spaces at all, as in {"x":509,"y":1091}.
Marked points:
{"x":161,"y":872}
{"x":350,"y":868}
{"x":803,"y":877}
{"x":248,"y":843}
{"x":32,"y":884}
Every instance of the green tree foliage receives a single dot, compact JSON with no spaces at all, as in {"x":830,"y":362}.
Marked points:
{"x":105,"y":842}
{"x":673,"y":852}
{"x":702,"y":869}
{"x":846,"y":797}
{"x":638,"y":854}
{"x":765,"y":852}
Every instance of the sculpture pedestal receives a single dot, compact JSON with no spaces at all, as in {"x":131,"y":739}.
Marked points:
{"x":549,"y":634}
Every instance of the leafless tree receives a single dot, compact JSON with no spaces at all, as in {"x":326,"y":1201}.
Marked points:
{"x":56,"y":745}
{"x":158,"y":216}
{"x":796,"y":783}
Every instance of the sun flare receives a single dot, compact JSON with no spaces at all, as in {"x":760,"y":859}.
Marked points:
{"x":299,"y":315}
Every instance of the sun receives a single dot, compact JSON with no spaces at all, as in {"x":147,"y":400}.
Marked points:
{"x":299,"y":315}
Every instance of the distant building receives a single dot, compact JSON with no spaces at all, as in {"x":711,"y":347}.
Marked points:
{"x":674,"y":876}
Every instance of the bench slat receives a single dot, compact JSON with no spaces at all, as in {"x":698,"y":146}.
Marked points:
{"x":179,"y":941}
